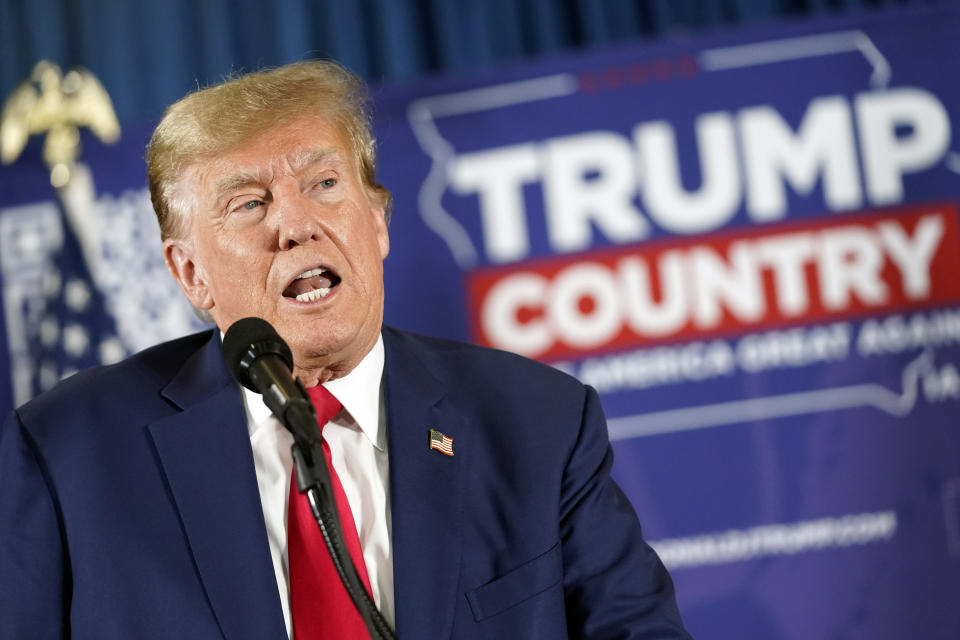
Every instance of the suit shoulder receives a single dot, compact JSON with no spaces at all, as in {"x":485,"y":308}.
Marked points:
{"x":142,"y":373}
{"x":457,"y":359}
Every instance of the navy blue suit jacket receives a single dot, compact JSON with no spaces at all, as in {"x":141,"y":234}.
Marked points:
{"x":129,"y":505}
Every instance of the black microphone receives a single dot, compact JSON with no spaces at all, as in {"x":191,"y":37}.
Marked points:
{"x":261,"y":361}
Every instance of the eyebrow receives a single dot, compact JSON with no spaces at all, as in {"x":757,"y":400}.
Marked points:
{"x":300,"y":161}
{"x":309,"y":157}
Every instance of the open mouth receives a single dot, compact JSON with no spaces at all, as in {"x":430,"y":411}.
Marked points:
{"x":312,"y":285}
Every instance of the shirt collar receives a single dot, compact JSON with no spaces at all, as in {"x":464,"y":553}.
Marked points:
{"x":358,"y":392}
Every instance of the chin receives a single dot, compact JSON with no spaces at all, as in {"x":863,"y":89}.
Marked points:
{"x":315,"y":343}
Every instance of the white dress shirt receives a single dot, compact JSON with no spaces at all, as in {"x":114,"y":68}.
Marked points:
{"x":357,"y":437}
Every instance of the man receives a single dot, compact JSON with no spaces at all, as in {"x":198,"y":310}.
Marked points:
{"x":150,"y":499}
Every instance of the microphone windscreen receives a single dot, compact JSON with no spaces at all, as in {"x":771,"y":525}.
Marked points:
{"x":248,"y":339}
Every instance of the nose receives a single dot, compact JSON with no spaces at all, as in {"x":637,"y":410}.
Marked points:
{"x":296,"y":222}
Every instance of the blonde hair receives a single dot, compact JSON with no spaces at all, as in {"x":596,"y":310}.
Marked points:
{"x":218,"y":119}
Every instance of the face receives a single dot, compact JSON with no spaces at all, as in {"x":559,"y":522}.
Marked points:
{"x":284,"y":229}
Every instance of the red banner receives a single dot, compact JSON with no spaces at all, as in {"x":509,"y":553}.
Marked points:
{"x":776,"y":275}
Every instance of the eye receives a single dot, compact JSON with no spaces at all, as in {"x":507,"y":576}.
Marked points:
{"x":327,"y":183}
{"x":249,"y":205}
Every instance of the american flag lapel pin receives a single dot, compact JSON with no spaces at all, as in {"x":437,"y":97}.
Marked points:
{"x":441,"y":443}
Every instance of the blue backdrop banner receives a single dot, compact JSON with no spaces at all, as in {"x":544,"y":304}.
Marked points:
{"x":748,"y":243}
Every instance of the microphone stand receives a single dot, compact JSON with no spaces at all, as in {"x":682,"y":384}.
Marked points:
{"x":313,"y":479}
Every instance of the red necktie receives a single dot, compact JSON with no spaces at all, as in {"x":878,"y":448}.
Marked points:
{"x":319,"y":604}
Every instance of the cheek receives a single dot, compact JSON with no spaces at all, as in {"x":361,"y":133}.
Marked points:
{"x":237,"y":271}
{"x":239,"y":255}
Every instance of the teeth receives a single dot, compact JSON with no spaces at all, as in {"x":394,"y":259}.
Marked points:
{"x":311,"y":273}
{"x":314,"y":295}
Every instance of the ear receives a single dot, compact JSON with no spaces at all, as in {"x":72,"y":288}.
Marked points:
{"x":380,"y":225}
{"x":180,"y":259}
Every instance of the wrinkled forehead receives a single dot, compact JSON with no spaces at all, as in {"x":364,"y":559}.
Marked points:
{"x":225,"y":174}
{"x":262,"y":157}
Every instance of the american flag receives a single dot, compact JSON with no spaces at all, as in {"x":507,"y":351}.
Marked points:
{"x":75,"y":330}
{"x":440,"y":442}
{"x":56,"y":318}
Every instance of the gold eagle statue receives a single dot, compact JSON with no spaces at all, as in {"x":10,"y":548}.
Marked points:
{"x":56,"y":104}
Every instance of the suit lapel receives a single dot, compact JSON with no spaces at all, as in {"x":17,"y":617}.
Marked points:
{"x":426,"y":489}
{"x":206,"y":458}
